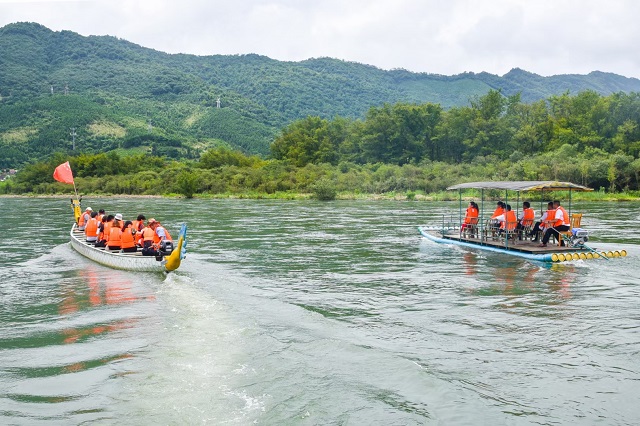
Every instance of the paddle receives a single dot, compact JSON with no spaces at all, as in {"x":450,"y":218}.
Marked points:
{"x":595,"y":251}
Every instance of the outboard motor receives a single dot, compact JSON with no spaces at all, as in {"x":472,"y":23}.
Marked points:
{"x":579,"y":236}
{"x":166,"y":247}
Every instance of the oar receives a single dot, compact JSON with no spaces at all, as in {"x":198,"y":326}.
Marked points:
{"x":595,"y":251}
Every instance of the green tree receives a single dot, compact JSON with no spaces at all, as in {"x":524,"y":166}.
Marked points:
{"x":306,"y":141}
{"x":187,"y":182}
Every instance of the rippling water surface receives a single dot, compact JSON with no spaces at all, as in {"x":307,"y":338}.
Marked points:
{"x":314,"y":313}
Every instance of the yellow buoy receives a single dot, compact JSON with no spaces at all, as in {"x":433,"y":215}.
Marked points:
{"x":623,"y":253}
{"x":554,"y":257}
{"x":583,"y":256}
{"x":616,"y":253}
{"x":609,"y":254}
{"x":603,"y":254}
{"x":590,"y":255}
{"x":561,"y":257}
{"x":575,"y":256}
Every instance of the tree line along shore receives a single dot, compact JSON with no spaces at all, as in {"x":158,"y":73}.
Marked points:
{"x":406,"y":151}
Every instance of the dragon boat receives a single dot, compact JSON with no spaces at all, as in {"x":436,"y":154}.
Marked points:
{"x":167,"y":260}
{"x":481,"y":235}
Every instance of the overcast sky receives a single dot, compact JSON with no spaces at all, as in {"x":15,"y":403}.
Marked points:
{"x":547,"y":37}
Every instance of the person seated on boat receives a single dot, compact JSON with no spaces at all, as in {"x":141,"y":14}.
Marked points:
{"x":500,"y":208}
{"x":84,"y":218}
{"x":560,"y":223}
{"x":114,"y":242}
{"x":539,"y":226}
{"x":525,"y":218}
{"x":128,"y":238}
{"x":103,"y":236}
{"x":91,"y":229}
{"x":161,"y":234}
{"x":101,"y":215}
{"x":138,"y":224}
{"x":508,"y":219}
{"x":494,"y":223}
{"x":470,"y":217}
{"x":146,"y":237}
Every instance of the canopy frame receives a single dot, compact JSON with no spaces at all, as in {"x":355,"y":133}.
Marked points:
{"x":517,"y":186}
{"x":526,"y":185}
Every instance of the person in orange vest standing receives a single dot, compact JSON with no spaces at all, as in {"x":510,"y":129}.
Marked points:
{"x":559,"y":223}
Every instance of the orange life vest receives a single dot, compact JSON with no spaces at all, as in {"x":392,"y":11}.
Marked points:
{"x":82,"y":220}
{"x":115,"y":236}
{"x":564,"y":220}
{"x":497,"y":212}
{"x":156,"y":238}
{"x":511,"y":220}
{"x":472,"y":213}
{"x":551,"y":214}
{"x":106,"y":231}
{"x":528,"y":216}
{"x":147,"y":234}
{"x":138,"y":225}
{"x":127,"y":239}
{"x":91,"y":229}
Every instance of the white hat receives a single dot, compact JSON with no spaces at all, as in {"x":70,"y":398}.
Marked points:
{"x":118,"y":216}
{"x":89,"y":209}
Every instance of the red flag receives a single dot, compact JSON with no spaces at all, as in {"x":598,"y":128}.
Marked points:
{"x":63,"y":174}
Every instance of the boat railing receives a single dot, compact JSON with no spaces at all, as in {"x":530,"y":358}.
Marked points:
{"x":449,"y":224}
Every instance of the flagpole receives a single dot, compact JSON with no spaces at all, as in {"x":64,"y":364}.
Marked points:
{"x":63,"y":174}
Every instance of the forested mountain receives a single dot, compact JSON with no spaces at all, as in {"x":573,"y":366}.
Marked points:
{"x":118,"y":95}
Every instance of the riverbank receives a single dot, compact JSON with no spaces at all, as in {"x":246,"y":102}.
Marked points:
{"x":388,"y":196}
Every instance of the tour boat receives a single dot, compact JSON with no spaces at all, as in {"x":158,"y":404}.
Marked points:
{"x":134,"y":261}
{"x":482,"y":236}
{"x":167,"y":260}
{"x":130,"y":261}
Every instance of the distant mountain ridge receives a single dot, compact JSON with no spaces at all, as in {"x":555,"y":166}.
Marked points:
{"x":126,"y":95}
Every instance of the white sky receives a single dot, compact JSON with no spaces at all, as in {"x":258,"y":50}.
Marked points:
{"x":448,"y":37}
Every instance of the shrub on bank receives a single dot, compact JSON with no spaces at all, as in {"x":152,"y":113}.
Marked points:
{"x":324,"y":190}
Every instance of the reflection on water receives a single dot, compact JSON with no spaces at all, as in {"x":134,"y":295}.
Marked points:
{"x":516,"y":277}
{"x":70,"y":342}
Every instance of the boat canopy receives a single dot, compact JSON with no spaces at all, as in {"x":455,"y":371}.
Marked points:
{"x":525,"y":185}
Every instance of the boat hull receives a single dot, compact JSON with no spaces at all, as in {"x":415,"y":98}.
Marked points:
{"x":526,"y":251}
{"x":127,"y":262}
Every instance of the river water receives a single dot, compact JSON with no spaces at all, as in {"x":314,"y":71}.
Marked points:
{"x":301,"y":312}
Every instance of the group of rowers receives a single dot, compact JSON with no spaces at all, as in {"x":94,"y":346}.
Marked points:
{"x":553,"y":221}
{"x":114,"y":233}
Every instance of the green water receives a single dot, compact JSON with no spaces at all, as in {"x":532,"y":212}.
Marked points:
{"x":314,"y":313}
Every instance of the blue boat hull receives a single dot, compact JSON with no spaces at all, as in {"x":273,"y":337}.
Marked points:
{"x":540,"y":257}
